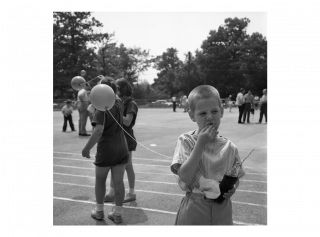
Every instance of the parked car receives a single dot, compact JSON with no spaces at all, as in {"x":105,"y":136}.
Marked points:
{"x":55,"y":105}
{"x":168,"y":103}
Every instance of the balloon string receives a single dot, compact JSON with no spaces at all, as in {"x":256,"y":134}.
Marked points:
{"x":136,"y":140}
{"x":90,"y":80}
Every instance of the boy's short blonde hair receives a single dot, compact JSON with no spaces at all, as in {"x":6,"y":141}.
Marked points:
{"x":202,"y":92}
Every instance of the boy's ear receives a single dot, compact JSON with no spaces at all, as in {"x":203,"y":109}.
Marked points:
{"x":191,"y":115}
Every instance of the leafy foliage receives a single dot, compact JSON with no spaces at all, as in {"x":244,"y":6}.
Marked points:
{"x":229,"y":58}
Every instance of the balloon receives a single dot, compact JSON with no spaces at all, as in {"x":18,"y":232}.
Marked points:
{"x":102,"y":97}
{"x":78,"y":83}
{"x":83,"y":73}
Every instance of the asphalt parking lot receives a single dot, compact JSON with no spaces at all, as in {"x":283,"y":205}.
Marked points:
{"x":158,"y":195}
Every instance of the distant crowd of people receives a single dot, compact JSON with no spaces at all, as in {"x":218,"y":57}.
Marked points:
{"x":247,"y":103}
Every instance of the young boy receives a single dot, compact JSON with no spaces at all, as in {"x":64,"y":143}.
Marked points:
{"x":201,"y":159}
{"x":67,"y":111}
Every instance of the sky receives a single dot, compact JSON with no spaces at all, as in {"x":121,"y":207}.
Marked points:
{"x":157,"y":31}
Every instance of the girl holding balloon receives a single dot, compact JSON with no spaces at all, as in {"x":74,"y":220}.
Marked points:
{"x":129,"y":118}
{"x":112,"y":149}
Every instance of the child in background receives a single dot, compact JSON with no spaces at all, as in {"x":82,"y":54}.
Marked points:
{"x":201,"y":159}
{"x":229,"y":102}
{"x":129,"y":118}
{"x":67,"y":111}
{"x":112,"y":154}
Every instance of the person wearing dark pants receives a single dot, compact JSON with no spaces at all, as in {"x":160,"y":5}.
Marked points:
{"x":239,"y":102}
{"x":67,"y":111}
{"x":248,"y":104}
{"x":263,"y":106}
{"x":174,"y":103}
{"x":241,"y":109}
{"x":68,"y":118}
{"x":246,"y":112}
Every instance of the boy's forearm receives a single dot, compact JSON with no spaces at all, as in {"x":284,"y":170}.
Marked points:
{"x":189,"y":167}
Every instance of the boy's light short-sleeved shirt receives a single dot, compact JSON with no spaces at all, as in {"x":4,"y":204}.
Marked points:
{"x":67,"y":110}
{"x":217,"y":158}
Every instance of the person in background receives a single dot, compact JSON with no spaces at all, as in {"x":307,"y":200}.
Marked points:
{"x":239,"y":103}
{"x":67,"y":116}
{"x":248,"y":104}
{"x":229,"y":102}
{"x":90,"y":109}
{"x":256,"y":102}
{"x":263,"y":106}
{"x":83,"y":103}
{"x":184,"y":103}
{"x":174,"y":103}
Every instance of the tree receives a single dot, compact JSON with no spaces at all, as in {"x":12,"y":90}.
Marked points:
{"x":71,"y":33}
{"x":135,"y":62}
{"x":169,"y":66}
{"x":227,"y":57}
{"x":107,"y":52}
{"x":254,"y":61}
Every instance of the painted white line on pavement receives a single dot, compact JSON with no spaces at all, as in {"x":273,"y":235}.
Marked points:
{"x":77,"y":167}
{"x":74,"y":167}
{"x":143,"y":191}
{"x":162,"y":166}
{"x":85,"y":168}
{"x":135,"y":158}
{"x":257,"y":181}
{"x":88,"y":160}
{"x":243,"y":223}
{"x":248,"y":191}
{"x":137,"y":208}
{"x":250,"y":204}
{"x":174,"y":194}
{"x":256,"y":174}
{"x":124,"y":206}
{"x":143,"y":181}
{"x":254,"y":168}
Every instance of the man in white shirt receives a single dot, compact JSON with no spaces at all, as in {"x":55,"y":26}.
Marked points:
{"x":240,"y":103}
{"x":83,"y":103}
{"x":263,"y":106}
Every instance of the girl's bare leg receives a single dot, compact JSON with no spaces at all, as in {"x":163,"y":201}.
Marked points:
{"x":117,"y":176}
{"x":100,"y":185}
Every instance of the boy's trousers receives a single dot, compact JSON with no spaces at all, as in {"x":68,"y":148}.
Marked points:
{"x":69,"y":118}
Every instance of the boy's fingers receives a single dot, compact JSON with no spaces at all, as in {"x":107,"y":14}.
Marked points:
{"x":212,"y":130}
{"x":205,"y":129}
